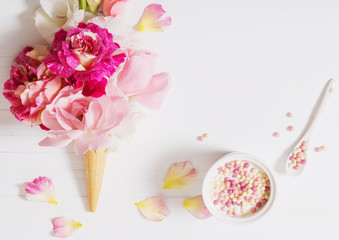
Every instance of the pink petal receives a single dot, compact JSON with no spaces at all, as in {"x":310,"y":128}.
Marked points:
{"x":113,"y":7}
{"x":137,"y":72}
{"x":60,"y":138}
{"x":41,"y":189}
{"x":64,"y":227}
{"x":90,"y":141}
{"x":153,"y":19}
{"x":197,"y":208}
{"x":154,"y":94}
{"x":153,"y":208}
{"x":181,"y":175}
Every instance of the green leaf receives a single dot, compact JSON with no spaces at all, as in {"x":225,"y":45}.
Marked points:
{"x":82,"y":4}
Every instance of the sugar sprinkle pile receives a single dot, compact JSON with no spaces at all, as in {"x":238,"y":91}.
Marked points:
{"x":240,"y":188}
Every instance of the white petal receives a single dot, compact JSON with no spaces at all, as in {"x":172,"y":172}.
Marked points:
{"x":56,"y":9}
{"x":45,"y":25}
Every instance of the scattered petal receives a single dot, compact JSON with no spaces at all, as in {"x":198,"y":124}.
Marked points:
{"x":153,"y":208}
{"x":200,"y":138}
{"x":154,"y":19}
{"x":181,"y":175}
{"x":42,"y":190}
{"x":289,"y":114}
{"x":197,"y":208}
{"x":64,"y":227}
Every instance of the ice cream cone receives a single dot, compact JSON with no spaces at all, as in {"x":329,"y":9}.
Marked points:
{"x":95,"y":162}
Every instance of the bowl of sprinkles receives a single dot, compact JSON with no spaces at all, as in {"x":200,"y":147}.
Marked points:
{"x":238,"y":188}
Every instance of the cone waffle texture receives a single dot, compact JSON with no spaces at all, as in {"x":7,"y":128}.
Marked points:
{"x":95,"y":162}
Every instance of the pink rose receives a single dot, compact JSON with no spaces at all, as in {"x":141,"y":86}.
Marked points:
{"x":31,"y":86}
{"x":113,"y":7}
{"x":86,"y":120}
{"x":137,"y":81}
{"x":87,"y":56}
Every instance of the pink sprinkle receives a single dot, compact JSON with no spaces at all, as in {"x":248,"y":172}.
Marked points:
{"x":245,"y":198}
{"x":228,"y":165}
{"x":227,"y":184}
{"x":234,"y":175}
{"x":276,"y":134}
{"x":242,"y":184}
{"x":303,"y":161}
{"x":289,"y":114}
{"x":292,"y":158}
{"x":215,"y":202}
{"x":200,"y":138}
{"x":246,"y":165}
{"x":253,"y":170}
{"x":244,"y":189}
{"x":296,"y":167}
{"x":235,"y":171}
{"x":226,"y":179}
{"x":234,"y":213}
{"x":259,"y":204}
{"x":317,"y":149}
{"x":267,"y":188}
{"x":290,"y":128}
{"x":264,"y":201}
{"x":230,"y":191}
{"x":253,"y":209}
{"x":235,"y":191}
{"x":245,"y":173}
{"x":254,"y":188}
{"x":228,"y":204}
{"x":223,"y":208}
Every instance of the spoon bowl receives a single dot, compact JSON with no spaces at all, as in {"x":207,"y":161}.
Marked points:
{"x":297,"y":159}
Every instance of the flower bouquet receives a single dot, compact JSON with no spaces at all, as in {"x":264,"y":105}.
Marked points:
{"x":90,"y":82}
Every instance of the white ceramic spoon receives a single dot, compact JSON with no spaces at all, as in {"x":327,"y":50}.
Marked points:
{"x":305,"y":139}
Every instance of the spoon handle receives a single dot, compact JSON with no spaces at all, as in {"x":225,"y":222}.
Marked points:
{"x":327,"y":92}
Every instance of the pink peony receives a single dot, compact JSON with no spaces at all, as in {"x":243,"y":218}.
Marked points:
{"x":137,"y":81}
{"x":113,"y":7}
{"x":31,"y":85}
{"x":86,"y":120}
{"x":87,"y":56}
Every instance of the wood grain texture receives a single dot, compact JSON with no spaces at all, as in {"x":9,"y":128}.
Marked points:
{"x":237,"y":68}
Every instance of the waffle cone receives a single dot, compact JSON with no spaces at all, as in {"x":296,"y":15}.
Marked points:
{"x":95,"y":162}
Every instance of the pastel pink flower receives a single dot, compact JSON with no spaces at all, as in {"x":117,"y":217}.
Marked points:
{"x":64,"y":227}
{"x":86,"y":120}
{"x":154,"y":19}
{"x":137,"y":81}
{"x":41,"y":189}
{"x":113,"y":7}
{"x":87,"y":56}
{"x":31,"y":85}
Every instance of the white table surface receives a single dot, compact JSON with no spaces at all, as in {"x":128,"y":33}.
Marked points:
{"x":237,"y":67}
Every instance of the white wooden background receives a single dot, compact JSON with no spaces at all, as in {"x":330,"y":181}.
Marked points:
{"x":238,"y":67}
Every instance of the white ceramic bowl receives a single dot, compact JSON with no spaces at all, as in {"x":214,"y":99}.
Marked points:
{"x":214,"y":170}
